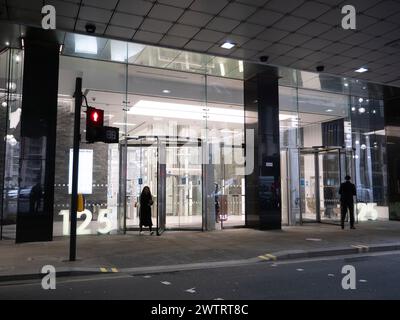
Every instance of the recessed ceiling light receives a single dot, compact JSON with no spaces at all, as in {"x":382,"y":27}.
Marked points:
{"x":328,"y":110}
{"x":361,"y":110}
{"x":361,"y":70}
{"x":166,"y":91}
{"x":228,"y":45}
{"x":346,"y":84}
{"x":360,"y":100}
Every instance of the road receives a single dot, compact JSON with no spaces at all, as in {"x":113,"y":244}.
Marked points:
{"x":377,"y":277}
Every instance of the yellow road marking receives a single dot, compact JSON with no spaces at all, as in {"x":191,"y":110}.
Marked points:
{"x":268,"y":256}
{"x":271,"y":256}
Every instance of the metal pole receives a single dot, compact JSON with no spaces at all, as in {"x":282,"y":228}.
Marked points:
{"x":75,"y":166}
{"x":317,"y":187}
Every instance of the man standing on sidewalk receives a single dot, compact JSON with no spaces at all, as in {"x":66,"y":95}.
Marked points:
{"x":347,"y":192}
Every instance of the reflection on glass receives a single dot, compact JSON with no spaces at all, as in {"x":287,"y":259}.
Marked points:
{"x":11,"y":76}
{"x":150,"y":56}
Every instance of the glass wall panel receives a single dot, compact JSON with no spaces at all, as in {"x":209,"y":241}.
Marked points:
{"x":225,"y":137}
{"x":287,"y":77}
{"x":288,"y":117}
{"x":323,"y":82}
{"x":369,"y":142}
{"x":225,"y":67}
{"x":104,"y":85}
{"x":11,"y":92}
{"x":4,"y":62}
{"x":316,"y":110}
{"x":289,"y":142}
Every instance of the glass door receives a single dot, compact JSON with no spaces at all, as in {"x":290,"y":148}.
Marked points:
{"x":322,"y":170}
{"x":172,"y":170}
{"x":161,"y":187}
{"x":141,"y":171}
{"x":308,"y":187}
{"x":290,"y":185}
{"x":184,"y":186}
{"x":330,"y":178}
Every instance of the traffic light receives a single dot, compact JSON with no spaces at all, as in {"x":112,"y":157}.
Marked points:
{"x":95,"y":129}
{"x":94,"y":124}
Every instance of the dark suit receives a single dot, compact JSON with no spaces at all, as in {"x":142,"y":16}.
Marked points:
{"x":347,"y":191}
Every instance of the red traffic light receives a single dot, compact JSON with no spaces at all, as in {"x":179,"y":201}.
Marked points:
{"x":94,"y":117}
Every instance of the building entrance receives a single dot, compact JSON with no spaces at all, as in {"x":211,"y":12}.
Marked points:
{"x":171,"y":167}
{"x":322,"y":169}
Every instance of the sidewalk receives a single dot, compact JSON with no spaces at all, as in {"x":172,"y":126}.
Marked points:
{"x":133,"y":252}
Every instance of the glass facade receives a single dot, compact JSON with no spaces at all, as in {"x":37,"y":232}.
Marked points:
{"x":182,"y":133}
{"x":331,"y":127}
{"x":184,"y":107}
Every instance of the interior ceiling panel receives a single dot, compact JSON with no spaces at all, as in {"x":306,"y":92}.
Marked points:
{"x":309,"y":30}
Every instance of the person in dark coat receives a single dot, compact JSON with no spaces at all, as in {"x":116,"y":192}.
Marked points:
{"x":35,"y":197}
{"x":216,"y":201}
{"x":146,"y":201}
{"x":347,"y":191}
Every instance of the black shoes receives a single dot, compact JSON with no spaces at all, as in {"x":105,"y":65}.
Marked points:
{"x":350,"y":227}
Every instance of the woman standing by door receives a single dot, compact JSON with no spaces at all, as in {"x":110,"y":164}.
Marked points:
{"x":146,"y":201}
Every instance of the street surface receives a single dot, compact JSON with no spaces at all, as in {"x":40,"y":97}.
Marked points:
{"x":377,"y":277}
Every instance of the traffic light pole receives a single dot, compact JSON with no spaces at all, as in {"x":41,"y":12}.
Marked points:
{"x":75,"y":168}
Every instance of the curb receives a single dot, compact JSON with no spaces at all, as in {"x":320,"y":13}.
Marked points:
{"x":268,"y":257}
{"x":354,"y":249}
{"x":39,"y":276}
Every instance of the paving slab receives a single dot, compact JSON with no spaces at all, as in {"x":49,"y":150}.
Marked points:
{"x":179,"y":248}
